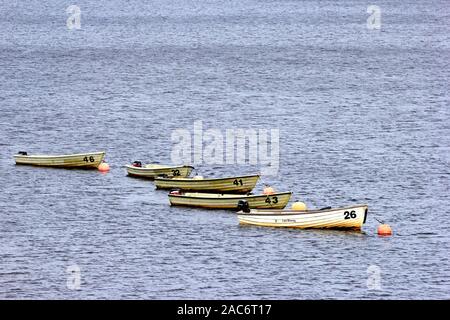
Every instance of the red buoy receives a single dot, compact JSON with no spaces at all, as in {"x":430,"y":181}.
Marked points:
{"x":103,"y":167}
{"x":268,"y":190}
{"x":384,"y":230}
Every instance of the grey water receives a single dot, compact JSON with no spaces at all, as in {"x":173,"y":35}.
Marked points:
{"x":363,"y":116}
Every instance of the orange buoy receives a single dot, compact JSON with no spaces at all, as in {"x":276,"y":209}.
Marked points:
{"x":384,"y":230}
{"x":299,"y":206}
{"x":103,"y":167}
{"x":268,"y":191}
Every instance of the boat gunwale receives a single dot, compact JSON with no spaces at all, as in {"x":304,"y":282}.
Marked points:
{"x":128,"y":166}
{"x":42,"y":156}
{"x":235,"y":196}
{"x":207,"y":179}
{"x":203,"y":206}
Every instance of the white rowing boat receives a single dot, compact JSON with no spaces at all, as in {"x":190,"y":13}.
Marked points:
{"x":342,"y":218}
{"x":151,"y":171}
{"x":240,"y":184}
{"x":81,"y":160}
{"x":228,"y":201}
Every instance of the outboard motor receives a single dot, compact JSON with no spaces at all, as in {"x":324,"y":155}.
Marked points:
{"x":243,"y":206}
{"x":137,"y":164}
{"x":22,"y":153}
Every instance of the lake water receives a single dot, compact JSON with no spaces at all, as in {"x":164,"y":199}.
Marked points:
{"x":363,"y":117}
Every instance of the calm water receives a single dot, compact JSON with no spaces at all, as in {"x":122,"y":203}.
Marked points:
{"x":363,"y":118}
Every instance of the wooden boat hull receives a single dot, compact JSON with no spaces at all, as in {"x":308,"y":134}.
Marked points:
{"x":230,"y":201}
{"x":82,"y":160}
{"x":155,"y":171}
{"x":340,"y":218}
{"x":242,"y":184}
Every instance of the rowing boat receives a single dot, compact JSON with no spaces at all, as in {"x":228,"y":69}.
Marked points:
{"x":341,"y":218}
{"x":151,"y":171}
{"x":241,"y":184}
{"x":81,"y":160}
{"x":229,"y":201}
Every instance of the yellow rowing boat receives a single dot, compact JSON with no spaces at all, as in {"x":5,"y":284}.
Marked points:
{"x":151,"y":171}
{"x":81,"y":160}
{"x":229,"y":201}
{"x":241,"y":184}
{"x":341,"y":218}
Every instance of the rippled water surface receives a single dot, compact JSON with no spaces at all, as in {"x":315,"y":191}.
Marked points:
{"x":363,"y":118}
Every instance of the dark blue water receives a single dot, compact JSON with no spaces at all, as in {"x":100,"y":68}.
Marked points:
{"x":363,"y":118}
